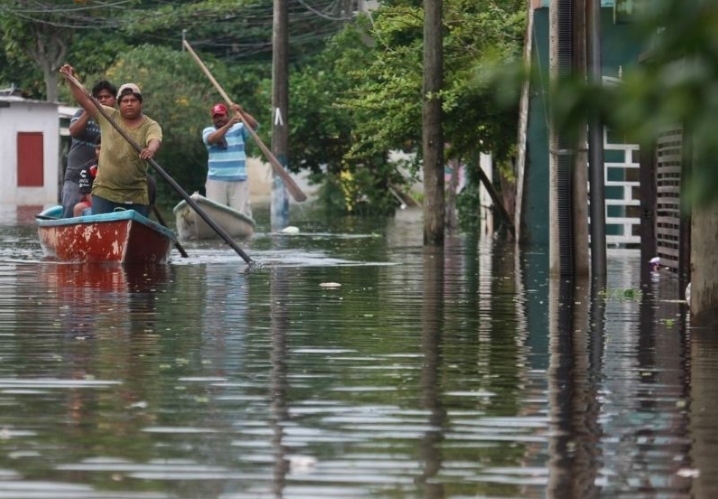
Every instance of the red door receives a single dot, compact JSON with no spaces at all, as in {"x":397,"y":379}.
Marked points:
{"x":30,"y":160}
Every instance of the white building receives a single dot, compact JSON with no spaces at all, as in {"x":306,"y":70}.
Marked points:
{"x":29,"y":151}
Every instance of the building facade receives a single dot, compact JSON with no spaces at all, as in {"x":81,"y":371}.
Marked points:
{"x":29,"y":145}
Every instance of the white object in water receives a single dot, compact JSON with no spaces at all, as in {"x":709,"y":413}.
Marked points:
{"x":301,"y":464}
{"x":688,"y":295}
{"x":330,"y":285}
{"x":291,"y":229}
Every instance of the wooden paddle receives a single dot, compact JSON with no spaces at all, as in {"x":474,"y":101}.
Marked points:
{"x":221,"y":232}
{"x":289,"y":182}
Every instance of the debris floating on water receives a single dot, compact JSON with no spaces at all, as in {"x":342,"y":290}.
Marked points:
{"x":330,"y":285}
{"x":655,"y":263}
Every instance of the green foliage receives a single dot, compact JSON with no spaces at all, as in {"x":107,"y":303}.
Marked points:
{"x":677,"y":83}
{"x":43,"y":32}
{"x":362,"y":96}
{"x":21,"y":72}
{"x":321,"y":129}
{"x":387,"y":96}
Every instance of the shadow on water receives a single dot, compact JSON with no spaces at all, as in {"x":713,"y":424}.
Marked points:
{"x":432,"y":373}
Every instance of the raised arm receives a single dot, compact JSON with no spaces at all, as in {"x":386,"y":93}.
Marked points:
{"x":217,"y":136}
{"x":253,"y":124}
{"x":77,"y":127}
{"x":78,"y":92}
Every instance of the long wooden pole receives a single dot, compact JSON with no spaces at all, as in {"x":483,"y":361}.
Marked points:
{"x":289,"y":182}
{"x":221,"y":232}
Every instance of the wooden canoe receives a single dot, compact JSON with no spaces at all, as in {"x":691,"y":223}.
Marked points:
{"x":121,"y":236}
{"x":191,"y":226}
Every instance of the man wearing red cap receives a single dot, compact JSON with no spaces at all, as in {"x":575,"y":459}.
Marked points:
{"x":227,"y":163}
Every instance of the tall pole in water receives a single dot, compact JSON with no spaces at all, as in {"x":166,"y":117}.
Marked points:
{"x":554,"y":254}
{"x":432,"y":131}
{"x":279,"y":210}
{"x":595,"y":149}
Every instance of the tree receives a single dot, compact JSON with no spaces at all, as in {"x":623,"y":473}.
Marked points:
{"x":322,"y":127}
{"x":369,"y":86}
{"x":43,"y":31}
{"x":431,"y":124}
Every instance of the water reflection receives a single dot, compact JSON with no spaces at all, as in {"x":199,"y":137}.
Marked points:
{"x":279,"y":290}
{"x":429,"y":373}
{"x":574,"y":373}
{"x":432,"y":320}
{"x":703,"y":411}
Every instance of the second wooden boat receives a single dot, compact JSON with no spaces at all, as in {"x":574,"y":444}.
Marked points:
{"x":190,"y":224}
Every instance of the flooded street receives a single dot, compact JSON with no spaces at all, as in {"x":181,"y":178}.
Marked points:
{"x":462,"y":373}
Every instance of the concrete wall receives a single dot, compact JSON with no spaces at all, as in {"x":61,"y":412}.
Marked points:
{"x":18,"y":115}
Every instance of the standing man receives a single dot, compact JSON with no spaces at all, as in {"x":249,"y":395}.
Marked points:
{"x":84,"y":132}
{"x":121,"y":181}
{"x":227,"y":163}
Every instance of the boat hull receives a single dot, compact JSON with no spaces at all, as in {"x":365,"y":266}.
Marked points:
{"x":124,"y":237}
{"x":191,"y":226}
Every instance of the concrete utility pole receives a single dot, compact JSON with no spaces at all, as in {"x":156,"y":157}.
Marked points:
{"x":595,"y":149}
{"x":568,"y":200}
{"x":279,"y":211}
{"x":581,"y":264}
{"x":554,"y":254}
{"x":432,"y":134}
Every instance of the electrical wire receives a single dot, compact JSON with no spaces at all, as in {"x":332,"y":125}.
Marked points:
{"x":303,"y":24}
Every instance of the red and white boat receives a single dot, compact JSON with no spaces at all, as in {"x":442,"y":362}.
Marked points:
{"x":122,"y":236}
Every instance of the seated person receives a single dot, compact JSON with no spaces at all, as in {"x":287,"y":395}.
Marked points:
{"x":87,"y":176}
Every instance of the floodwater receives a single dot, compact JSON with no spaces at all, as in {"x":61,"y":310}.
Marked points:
{"x":462,"y":373}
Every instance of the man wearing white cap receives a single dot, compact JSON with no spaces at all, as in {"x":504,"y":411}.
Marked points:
{"x":121,"y":182}
{"x":227,"y":162}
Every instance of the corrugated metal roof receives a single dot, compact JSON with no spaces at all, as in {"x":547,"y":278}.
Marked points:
{"x":20,"y":100}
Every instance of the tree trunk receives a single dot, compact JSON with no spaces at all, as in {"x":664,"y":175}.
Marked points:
{"x":50,"y":84}
{"x":704,"y":265}
{"x":432,"y":134}
{"x":49,"y":52}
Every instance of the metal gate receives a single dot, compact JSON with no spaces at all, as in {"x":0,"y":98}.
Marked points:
{"x":669,"y":159}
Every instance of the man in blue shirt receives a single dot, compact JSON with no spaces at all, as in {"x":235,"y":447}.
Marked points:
{"x":227,"y":163}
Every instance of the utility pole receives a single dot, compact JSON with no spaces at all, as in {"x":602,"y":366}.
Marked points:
{"x":595,"y":150}
{"x":568,"y":253}
{"x":554,"y":253}
{"x":581,"y":265}
{"x":279,"y":211}
{"x":432,"y":133}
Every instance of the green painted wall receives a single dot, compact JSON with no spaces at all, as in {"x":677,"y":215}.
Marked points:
{"x":619,"y":49}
